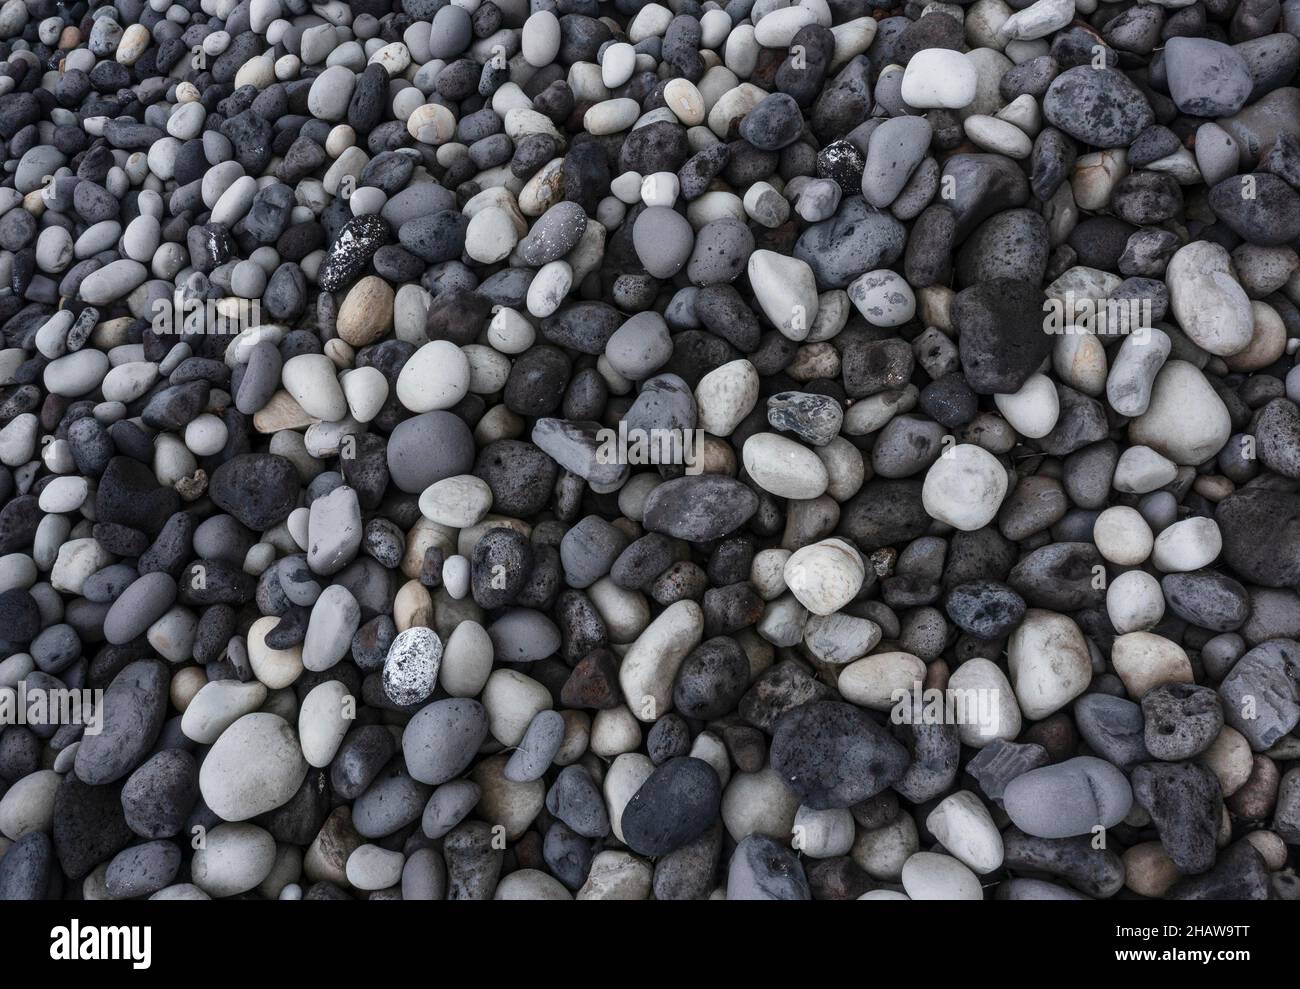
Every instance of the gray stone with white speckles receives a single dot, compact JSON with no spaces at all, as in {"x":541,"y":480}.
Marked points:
{"x":554,"y":234}
{"x":411,"y":669}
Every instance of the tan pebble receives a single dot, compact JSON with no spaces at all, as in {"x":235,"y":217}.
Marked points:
{"x":814,"y":360}
{"x":1230,"y":759}
{"x":512,"y":805}
{"x":614,"y":731}
{"x":1144,"y":660}
{"x":934,"y":306}
{"x":577,"y":736}
{"x":185,"y":684}
{"x":431,"y":124}
{"x":340,"y":353}
{"x":367,"y":312}
{"x":193,"y":486}
{"x":1148,"y":871}
{"x":412,"y":606}
{"x":424,"y":534}
{"x":936,"y":675}
{"x":1267,"y":341}
{"x":135,"y":39}
{"x":543,"y":190}
{"x":717,"y":457}
{"x":281,"y":412}
{"x":1213,"y":487}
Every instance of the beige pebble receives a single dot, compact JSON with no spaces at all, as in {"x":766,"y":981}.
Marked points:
{"x":1230,"y":759}
{"x":367,"y":311}
{"x":412,"y":606}
{"x":615,"y":731}
{"x":1148,"y":871}
{"x":502,"y":801}
{"x":873,"y":681}
{"x":759,"y":803}
{"x":185,"y":684}
{"x":1144,"y":660}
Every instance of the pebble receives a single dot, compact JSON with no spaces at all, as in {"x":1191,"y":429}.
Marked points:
{"x":235,"y":859}
{"x":1185,"y":418}
{"x":939,"y":77}
{"x":894,"y":151}
{"x":441,"y":740}
{"x":1181,"y":720}
{"x":1257,"y":695}
{"x":134,"y":707}
{"x":1185,"y":805}
{"x":1049,"y":662}
{"x":762,"y":869}
{"x":1206,"y":78}
{"x":411,"y":666}
{"x":1100,"y":107}
{"x":964,"y":487}
{"x":675,"y":805}
{"x":1144,"y":660}
{"x":1071,"y":798}
{"x":254,"y":766}
{"x":1211,"y":306}
{"x":825,"y":576}
{"x":832,"y":755}
{"x":784,"y":467}
{"x":931,"y":876}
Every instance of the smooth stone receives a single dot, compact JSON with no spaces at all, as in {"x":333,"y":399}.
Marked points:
{"x":442,"y":739}
{"x":1071,"y":798}
{"x":964,"y":488}
{"x":255,"y":766}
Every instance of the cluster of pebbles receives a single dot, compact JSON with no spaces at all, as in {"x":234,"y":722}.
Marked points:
{"x":313,"y":316}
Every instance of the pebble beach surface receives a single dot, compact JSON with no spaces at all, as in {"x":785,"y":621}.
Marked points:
{"x":577,"y":450}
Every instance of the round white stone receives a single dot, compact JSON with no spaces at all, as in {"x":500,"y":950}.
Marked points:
{"x":1134,"y":602}
{"x":784,"y":467}
{"x":255,"y":766}
{"x":1122,"y":536}
{"x":1187,"y":545}
{"x":312,"y":381}
{"x":323,"y":720}
{"x":436,"y":377}
{"x":459,"y":502}
{"x":824,"y":576}
{"x":930,"y":876}
{"x":1033,"y":410}
{"x":963,"y":825}
{"x":964,"y":487}
{"x":874,"y":681}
